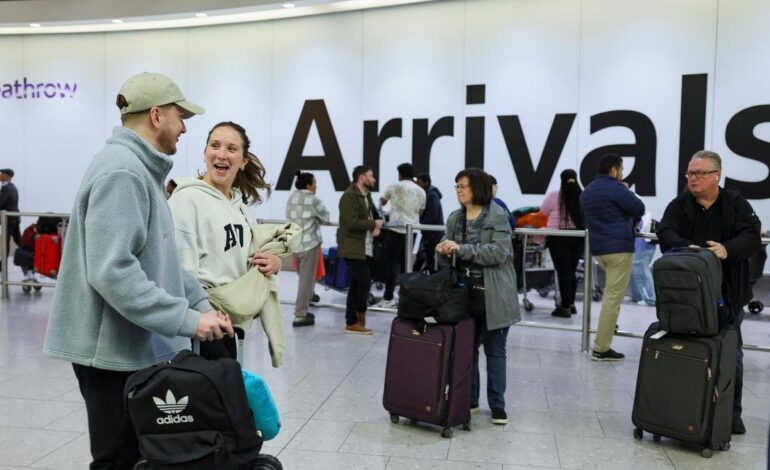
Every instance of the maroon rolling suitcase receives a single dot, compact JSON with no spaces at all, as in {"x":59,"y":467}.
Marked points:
{"x":428,"y":373}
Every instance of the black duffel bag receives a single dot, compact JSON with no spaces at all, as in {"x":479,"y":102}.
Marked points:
{"x":441,"y":295}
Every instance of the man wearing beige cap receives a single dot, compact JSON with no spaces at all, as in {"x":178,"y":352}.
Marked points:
{"x":122,"y":301}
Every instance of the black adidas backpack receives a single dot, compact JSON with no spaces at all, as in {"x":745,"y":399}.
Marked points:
{"x":192,"y":412}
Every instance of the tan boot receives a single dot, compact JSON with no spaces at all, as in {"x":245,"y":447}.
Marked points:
{"x":357,"y":329}
{"x":361,"y":319}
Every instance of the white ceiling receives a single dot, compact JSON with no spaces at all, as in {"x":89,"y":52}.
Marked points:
{"x":75,"y":16}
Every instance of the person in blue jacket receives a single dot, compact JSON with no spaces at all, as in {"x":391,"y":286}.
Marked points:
{"x":610,"y":212}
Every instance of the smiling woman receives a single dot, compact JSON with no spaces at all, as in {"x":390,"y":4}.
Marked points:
{"x":212,"y":221}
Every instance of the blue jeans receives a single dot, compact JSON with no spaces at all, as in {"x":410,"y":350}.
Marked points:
{"x":736,"y":326}
{"x":641,"y":286}
{"x":494,"y":349}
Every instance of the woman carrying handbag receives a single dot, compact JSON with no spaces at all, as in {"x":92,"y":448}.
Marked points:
{"x":480,"y":236}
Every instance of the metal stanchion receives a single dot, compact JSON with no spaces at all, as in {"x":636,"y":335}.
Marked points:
{"x":588,"y":270}
{"x":408,"y":248}
{"x":4,"y":251}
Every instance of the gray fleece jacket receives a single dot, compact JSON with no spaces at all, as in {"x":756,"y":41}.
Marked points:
{"x":122,"y":301}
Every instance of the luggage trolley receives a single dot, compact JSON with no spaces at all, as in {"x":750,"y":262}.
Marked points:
{"x":42,"y":253}
{"x":536,"y":259}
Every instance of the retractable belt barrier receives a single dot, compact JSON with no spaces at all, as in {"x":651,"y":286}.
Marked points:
{"x":585,"y":330}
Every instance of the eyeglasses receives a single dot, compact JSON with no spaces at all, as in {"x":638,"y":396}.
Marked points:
{"x":462,"y":186}
{"x":698,"y":174}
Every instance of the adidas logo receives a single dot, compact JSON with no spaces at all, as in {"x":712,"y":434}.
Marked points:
{"x":172,"y":407}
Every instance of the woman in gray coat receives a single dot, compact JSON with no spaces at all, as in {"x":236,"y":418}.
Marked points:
{"x":480,"y":236}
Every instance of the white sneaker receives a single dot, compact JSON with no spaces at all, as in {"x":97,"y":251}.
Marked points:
{"x":388,"y":304}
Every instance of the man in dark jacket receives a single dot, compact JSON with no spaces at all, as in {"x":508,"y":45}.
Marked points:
{"x":432,"y":215}
{"x":359,"y":224}
{"x":9,"y":201}
{"x":610,"y":211}
{"x":723,"y":222}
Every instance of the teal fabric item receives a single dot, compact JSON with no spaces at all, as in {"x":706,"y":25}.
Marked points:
{"x":262,"y":404}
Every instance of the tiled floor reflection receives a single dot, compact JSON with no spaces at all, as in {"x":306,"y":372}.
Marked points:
{"x":564,"y":410}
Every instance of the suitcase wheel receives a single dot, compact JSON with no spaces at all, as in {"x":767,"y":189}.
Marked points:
{"x":26,"y":289}
{"x":755,"y":306}
{"x":394,"y":418}
{"x":597,"y":296}
{"x":37,"y":288}
{"x":706,"y":452}
{"x":725,"y":446}
{"x":528,"y":305}
{"x":448,"y":432}
{"x":467,"y":426}
{"x":638,"y":433}
{"x":656,"y":437}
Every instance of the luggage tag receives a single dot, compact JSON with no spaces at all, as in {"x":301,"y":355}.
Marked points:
{"x":430,"y":320}
{"x":659,"y":334}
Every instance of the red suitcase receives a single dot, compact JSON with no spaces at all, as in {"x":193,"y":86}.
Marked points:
{"x":48,"y":254}
{"x":428,"y":373}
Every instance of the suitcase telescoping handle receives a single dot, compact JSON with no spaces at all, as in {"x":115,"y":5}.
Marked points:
{"x":435,"y":260}
{"x":239,"y":336}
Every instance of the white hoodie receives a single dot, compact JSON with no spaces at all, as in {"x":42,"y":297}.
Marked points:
{"x":213,"y":234}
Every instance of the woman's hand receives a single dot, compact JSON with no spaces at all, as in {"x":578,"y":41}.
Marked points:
{"x":269,"y":264}
{"x":447,"y":247}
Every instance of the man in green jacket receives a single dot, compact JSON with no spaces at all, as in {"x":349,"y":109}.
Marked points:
{"x":122,"y":301}
{"x":360,"y":222}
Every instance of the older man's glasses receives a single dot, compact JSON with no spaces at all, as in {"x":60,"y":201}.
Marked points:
{"x":698,"y":174}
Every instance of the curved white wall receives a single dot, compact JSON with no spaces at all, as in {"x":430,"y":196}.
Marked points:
{"x":537,"y":58}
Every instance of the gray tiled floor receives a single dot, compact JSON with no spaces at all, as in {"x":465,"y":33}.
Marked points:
{"x":564,"y":410}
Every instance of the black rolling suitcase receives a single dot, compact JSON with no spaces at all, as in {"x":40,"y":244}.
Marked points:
{"x":688,"y":288}
{"x":685,"y":388}
{"x":428,"y":373}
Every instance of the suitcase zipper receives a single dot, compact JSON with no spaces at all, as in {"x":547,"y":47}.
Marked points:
{"x":419,"y":341}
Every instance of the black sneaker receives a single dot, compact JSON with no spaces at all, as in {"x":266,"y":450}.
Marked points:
{"x":499,"y":416}
{"x":307,"y":320}
{"x":315,"y":298}
{"x":608,"y":355}
{"x":561,"y":312}
{"x":573,"y":309}
{"x":738,"y":427}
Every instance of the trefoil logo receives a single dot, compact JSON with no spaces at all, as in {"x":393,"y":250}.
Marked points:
{"x":23,"y":89}
{"x":172,"y":407}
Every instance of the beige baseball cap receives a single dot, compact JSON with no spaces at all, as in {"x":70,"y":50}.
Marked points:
{"x":145,"y":90}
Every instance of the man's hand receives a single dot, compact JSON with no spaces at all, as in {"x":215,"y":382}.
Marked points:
{"x":213,"y":325}
{"x":269,"y":264}
{"x":718,"y":249}
{"x":375,"y":233}
{"x":447,"y":247}
{"x":378,"y":223}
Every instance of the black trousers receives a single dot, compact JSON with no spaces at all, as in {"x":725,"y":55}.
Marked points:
{"x":113,"y":442}
{"x":426,"y":257}
{"x":565,"y":253}
{"x":395,"y":250}
{"x":13,"y":232}
{"x":358,"y":292}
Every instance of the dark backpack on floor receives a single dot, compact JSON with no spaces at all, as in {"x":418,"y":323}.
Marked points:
{"x":192,"y":412}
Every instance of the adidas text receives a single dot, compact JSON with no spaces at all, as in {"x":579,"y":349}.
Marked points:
{"x":175,"y":419}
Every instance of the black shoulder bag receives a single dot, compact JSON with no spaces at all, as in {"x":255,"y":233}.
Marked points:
{"x":473,"y":279}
